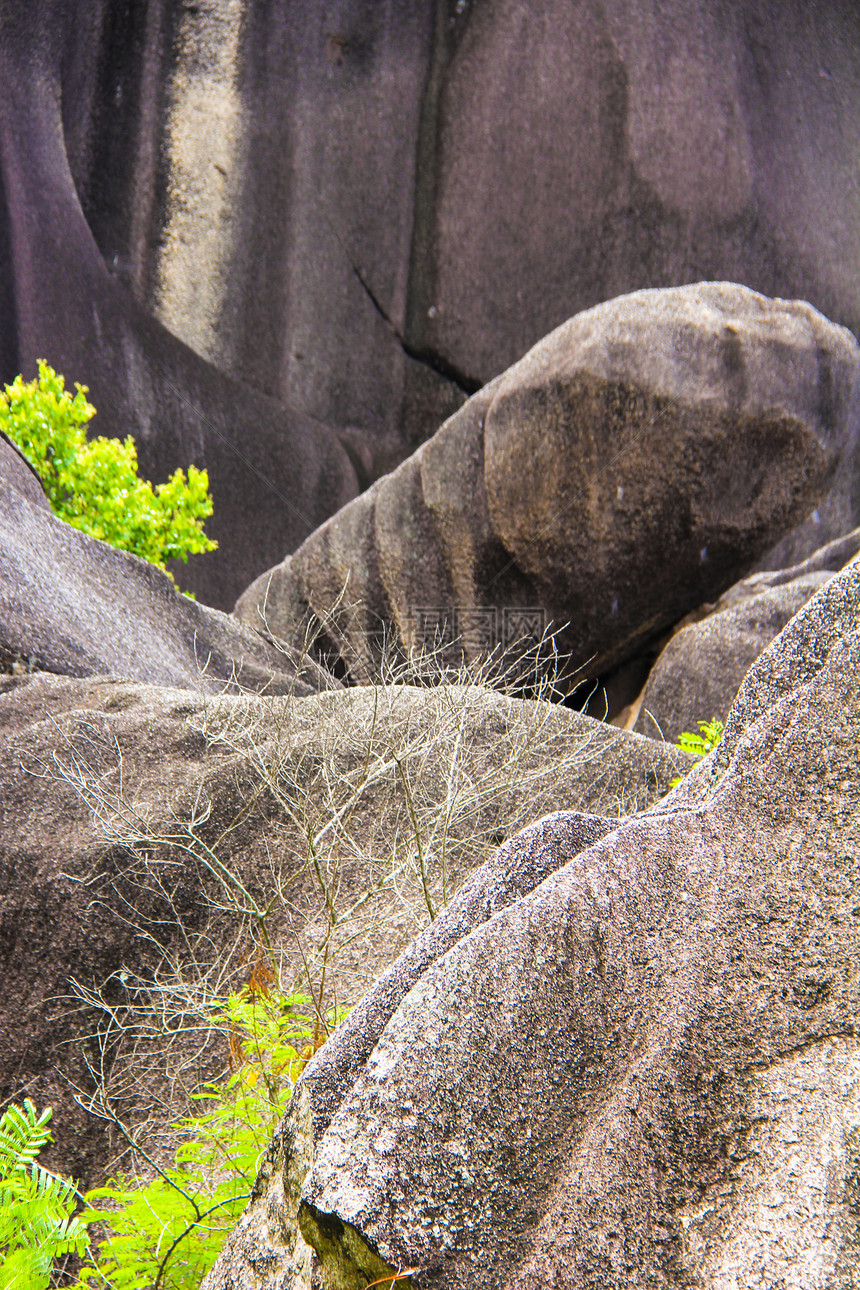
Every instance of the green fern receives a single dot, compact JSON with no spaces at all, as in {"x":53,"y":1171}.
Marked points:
{"x":22,"y":1136}
{"x":36,"y":1222}
{"x":710,"y":734}
{"x":165,"y":1234}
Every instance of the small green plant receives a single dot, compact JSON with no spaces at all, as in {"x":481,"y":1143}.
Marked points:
{"x":166,"y":1233}
{"x":36,"y":1222}
{"x":710,"y":734}
{"x":93,"y":484}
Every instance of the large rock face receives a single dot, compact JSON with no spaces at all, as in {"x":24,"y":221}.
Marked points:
{"x":275,"y":473}
{"x":363,"y":213}
{"x":627,"y":469}
{"x":636,"y":1064}
{"x":112,"y":793}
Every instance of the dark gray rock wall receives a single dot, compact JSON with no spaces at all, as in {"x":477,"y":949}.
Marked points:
{"x":363,"y":211}
{"x":275,"y":473}
{"x":588,"y":150}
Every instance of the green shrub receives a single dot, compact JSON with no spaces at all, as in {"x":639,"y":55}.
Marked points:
{"x":93,"y":484}
{"x":36,"y":1223}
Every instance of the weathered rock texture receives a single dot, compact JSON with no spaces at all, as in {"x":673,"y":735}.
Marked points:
{"x":698,"y":674}
{"x":74,"y":605}
{"x":275,"y":473}
{"x":111,"y":792}
{"x":637,"y":1063}
{"x":361,"y":213}
{"x":627,"y":469}
{"x":17,"y":471}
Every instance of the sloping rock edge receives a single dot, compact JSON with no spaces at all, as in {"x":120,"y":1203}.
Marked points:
{"x":268,"y":1236}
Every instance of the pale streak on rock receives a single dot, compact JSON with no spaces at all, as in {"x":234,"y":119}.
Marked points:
{"x":204,"y":155}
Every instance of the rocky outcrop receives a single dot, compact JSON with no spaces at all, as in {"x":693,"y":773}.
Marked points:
{"x":246,"y":227}
{"x":275,"y":473}
{"x":627,"y":469}
{"x":698,"y":674}
{"x":828,"y":559}
{"x":635,"y":1060}
{"x":73,"y":605}
{"x":122,"y":804}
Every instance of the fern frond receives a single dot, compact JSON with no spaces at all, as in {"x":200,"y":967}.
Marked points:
{"x":34,"y":1212}
{"x":710,"y":734}
{"x":35,"y":1205}
{"x":23,"y":1133}
{"x":25,"y":1269}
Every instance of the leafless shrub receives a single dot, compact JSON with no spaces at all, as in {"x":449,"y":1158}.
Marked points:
{"x":366,"y":807}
